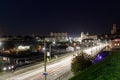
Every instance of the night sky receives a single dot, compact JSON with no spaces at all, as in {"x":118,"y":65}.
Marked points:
{"x":19,"y":17}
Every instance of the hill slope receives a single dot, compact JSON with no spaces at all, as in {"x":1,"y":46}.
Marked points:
{"x":107,"y":69}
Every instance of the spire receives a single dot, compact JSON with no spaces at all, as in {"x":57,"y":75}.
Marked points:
{"x":114,"y":29}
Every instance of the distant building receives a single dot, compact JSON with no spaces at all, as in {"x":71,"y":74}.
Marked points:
{"x":92,"y":37}
{"x":4,"y":39}
{"x":84,"y":36}
{"x":115,"y":43}
{"x":50,"y":39}
{"x":59,"y":36}
{"x":87,"y":36}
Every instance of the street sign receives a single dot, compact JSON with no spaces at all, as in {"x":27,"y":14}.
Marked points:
{"x":48,"y":53}
{"x":45,"y":73}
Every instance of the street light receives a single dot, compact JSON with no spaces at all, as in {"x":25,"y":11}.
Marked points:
{"x":45,"y":73}
{"x":54,"y":43}
{"x":45,"y":59}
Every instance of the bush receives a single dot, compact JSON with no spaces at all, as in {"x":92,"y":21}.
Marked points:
{"x":79,"y":63}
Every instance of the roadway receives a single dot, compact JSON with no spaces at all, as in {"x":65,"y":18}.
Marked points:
{"x":54,"y":69}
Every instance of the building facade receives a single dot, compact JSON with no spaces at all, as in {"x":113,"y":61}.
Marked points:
{"x":59,"y":36}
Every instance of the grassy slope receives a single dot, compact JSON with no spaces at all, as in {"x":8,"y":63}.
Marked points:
{"x":107,"y":69}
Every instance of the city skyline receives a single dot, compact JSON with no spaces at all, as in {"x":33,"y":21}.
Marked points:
{"x":43,"y":17}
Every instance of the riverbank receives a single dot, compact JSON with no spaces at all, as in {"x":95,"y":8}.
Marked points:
{"x":106,"y":69}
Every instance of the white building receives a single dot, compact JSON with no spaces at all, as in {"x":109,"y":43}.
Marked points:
{"x":59,"y":36}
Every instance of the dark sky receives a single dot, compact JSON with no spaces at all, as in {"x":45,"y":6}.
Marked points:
{"x":18,"y":17}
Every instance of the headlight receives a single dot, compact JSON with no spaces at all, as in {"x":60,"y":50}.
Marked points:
{"x":118,"y":44}
{"x":4,"y":68}
{"x":9,"y":67}
{"x":12,"y":66}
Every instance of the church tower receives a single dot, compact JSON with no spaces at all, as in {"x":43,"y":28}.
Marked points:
{"x":114,"y":29}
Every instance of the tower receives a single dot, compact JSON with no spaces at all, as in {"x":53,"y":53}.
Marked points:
{"x":114,"y":29}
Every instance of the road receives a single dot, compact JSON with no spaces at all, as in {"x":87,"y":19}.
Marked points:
{"x":92,"y":51}
{"x":54,"y":70}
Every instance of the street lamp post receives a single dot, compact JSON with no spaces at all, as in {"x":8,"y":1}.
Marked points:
{"x":45,"y":60}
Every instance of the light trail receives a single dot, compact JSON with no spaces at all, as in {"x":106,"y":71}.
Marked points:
{"x":58,"y":65}
{"x":94,"y":50}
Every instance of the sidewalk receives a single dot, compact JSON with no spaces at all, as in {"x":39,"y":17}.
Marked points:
{"x":66,"y":76}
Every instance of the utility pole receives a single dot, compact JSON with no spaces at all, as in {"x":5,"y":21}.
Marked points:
{"x":45,"y":60}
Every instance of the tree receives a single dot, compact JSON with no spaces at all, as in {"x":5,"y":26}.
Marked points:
{"x":79,"y":63}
